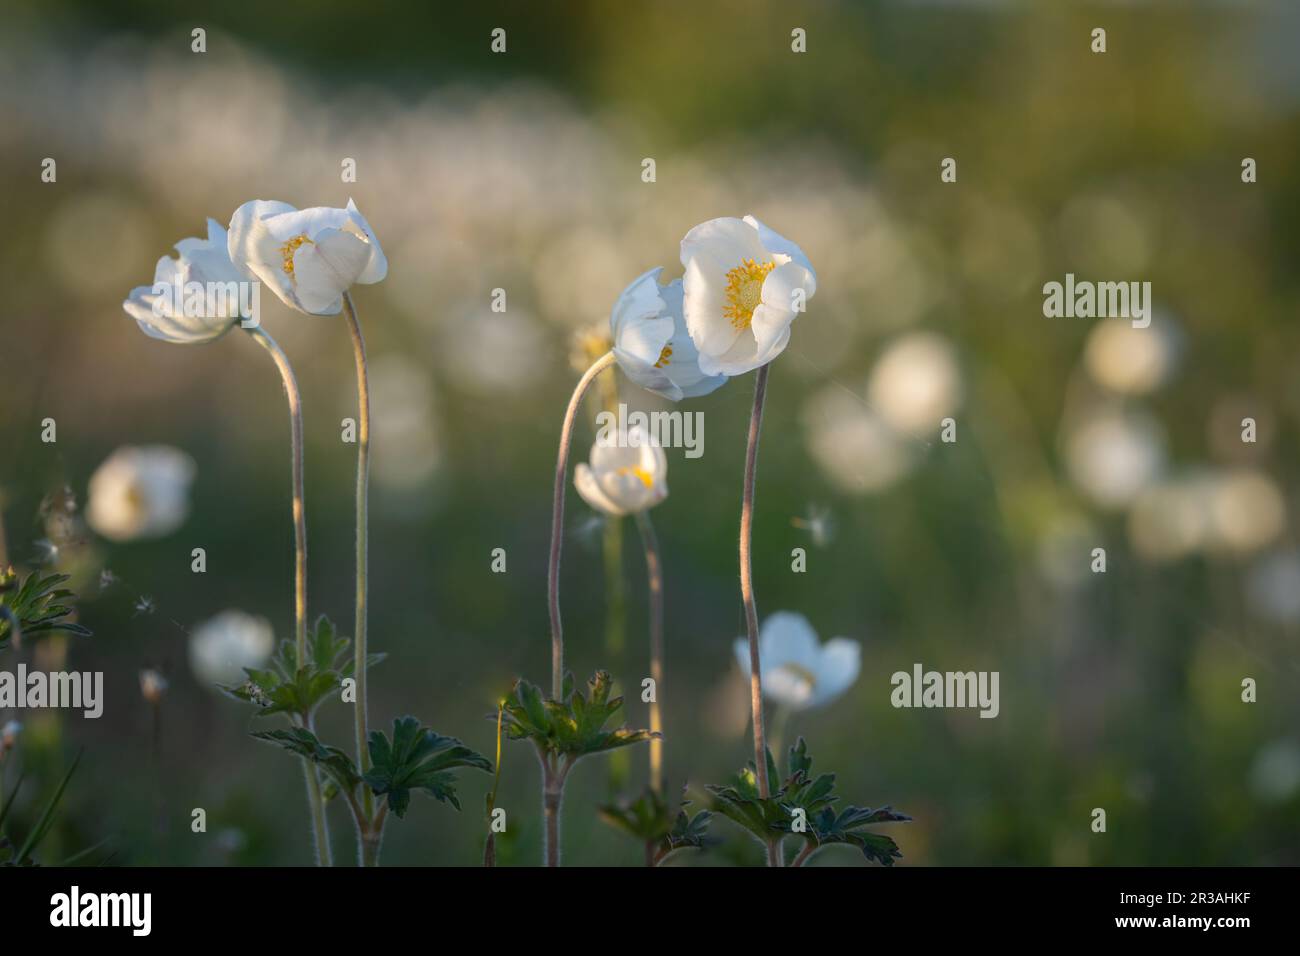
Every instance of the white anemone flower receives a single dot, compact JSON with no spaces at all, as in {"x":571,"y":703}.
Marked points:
{"x":203,"y":261}
{"x":308,"y":257}
{"x":744,"y":284}
{"x":628,"y":473}
{"x":140,"y":492}
{"x":799,"y":671}
{"x":222,"y":646}
{"x":651,"y":342}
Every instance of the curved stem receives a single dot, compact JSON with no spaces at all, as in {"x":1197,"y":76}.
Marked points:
{"x":359,"y":645}
{"x":805,"y":854}
{"x":557,"y":521}
{"x":324,"y":856}
{"x":747,"y":595}
{"x":655,"y":576}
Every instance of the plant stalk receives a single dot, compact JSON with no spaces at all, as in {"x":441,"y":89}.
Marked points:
{"x":557,"y":522}
{"x":747,"y":595}
{"x":360,"y":648}
{"x":655,"y":579}
{"x":324,"y":854}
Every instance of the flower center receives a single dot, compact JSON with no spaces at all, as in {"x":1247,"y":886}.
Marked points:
{"x":288,"y":249}
{"x":744,"y":291}
{"x":639,"y":472}
{"x":665,"y":356}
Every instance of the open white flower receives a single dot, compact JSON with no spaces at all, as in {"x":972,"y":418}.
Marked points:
{"x":744,"y":284}
{"x":221,"y":647}
{"x":798,"y":671}
{"x":203,"y":261}
{"x":651,"y":342}
{"x":627,"y":475}
{"x":140,"y":492}
{"x":308,"y":257}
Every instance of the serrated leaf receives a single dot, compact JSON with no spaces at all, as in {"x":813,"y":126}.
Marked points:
{"x":574,"y":727}
{"x":417,"y":758}
{"x":767,"y":819}
{"x":336,"y":764}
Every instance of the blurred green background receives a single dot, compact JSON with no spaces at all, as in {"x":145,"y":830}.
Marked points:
{"x":523,"y":171}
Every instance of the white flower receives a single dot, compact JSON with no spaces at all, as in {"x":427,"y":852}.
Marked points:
{"x":308,"y":257}
{"x":1129,"y":361}
{"x":140,"y":492}
{"x":1112,"y":454}
{"x":221,"y":647}
{"x":201,"y":261}
{"x":626,"y":475}
{"x":740,"y":289}
{"x":651,"y":342}
{"x":916,"y":383}
{"x":798,"y":671}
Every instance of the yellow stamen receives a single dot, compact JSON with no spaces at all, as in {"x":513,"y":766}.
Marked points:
{"x":288,"y":249}
{"x":744,"y":291}
{"x":639,"y":472}
{"x":665,"y":356}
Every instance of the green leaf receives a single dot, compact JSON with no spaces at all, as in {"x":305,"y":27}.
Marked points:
{"x":38,"y":606}
{"x":46,"y":821}
{"x":299,"y":688}
{"x":573,"y":727}
{"x":768,"y":819}
{"x":649,"y":819}
{"x":337,"y":765}
{"x":417,"y":758}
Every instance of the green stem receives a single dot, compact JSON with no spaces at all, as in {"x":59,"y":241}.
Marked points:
{"x":557,"y":522}
{"x":324,"y":855}
{"x":747,"y":596}
{"x":655,"y":580}
{"x":362,"y":559}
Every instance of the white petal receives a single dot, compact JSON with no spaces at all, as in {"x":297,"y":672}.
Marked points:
{"x":788,"y":638}
{"x":774,"y":242}
{"x":585,"y":481}
{"x":325,"y":268}
{"x":841,"y":660}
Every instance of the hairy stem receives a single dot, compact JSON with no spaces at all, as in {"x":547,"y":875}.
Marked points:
{"x":360,"y":650}
{"x":805,"y":854}
{"x":655,"y":578}
{"x":324,"y":855}
{"x":557,"y":522}
{"x":747,"y":596}
{"x":552,"y":801}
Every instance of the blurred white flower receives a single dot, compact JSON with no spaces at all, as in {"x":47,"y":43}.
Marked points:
{"x":624,"y":480}
{"x":308,"y":257}
{"x":1247,"y":511}
{"x":1112,"y":454}
{"x":9,"y":735}
{"x":740,"y":289}
{"x":1273,"y":586}
{"x":916,"y":382}
{"x":201,"y":261}
{"x":651,"y":342}
{"x":221,"y":647}
{"x":852,"y":445}
{"x":140,"y":492}
{"x":1275,"y":771}
{"x":1126,"y":360}
{"x":798,"y":671}
{"x":1209,"y":511}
